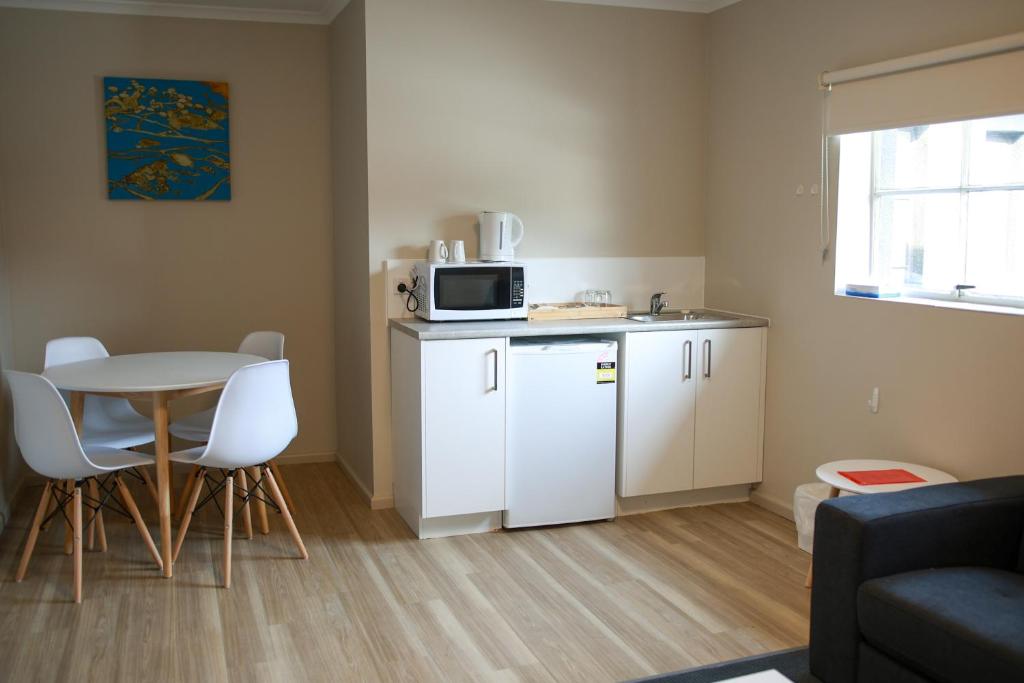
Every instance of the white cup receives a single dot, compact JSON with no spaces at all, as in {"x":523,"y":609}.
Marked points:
{"x":457,"y":251}
{"x":437,"y":253}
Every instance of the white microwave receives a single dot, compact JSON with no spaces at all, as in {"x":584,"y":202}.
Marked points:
{"x":474,"y":290}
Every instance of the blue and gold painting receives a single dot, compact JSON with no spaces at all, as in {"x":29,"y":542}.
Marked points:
{"x":167,"y":139}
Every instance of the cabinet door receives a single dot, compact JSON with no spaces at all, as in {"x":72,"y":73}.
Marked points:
{"x":463,"y":426}
{"x":729,"y":401}
{"x":658,"y":391}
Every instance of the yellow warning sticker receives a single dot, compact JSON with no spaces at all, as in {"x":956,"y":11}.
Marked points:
{"x":606,"y":372}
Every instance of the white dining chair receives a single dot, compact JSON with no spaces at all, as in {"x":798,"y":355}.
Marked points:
{"x":196,"y":427}
{"x":106,"y":421}
{"x":111,"y":422}
{"x":254,"y":421}
{"x":50,"y":445}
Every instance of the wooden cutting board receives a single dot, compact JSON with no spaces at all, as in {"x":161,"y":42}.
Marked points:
{"x":574,"y":310}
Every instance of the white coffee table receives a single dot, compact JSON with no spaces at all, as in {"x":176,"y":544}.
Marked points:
{"x":770,"y":676}
{"x":829,"y":473}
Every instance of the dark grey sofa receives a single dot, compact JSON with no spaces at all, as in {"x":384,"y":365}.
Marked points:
{"x":921,"y":585}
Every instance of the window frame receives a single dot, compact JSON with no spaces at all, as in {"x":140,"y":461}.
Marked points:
{"x":964,"y":190}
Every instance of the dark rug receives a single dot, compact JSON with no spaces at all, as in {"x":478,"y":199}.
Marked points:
{"x":792,"y":664}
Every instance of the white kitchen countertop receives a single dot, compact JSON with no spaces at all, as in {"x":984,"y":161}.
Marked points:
{"x":434,"y":331}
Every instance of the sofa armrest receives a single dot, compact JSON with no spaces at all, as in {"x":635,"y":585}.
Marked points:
{"x":857,"y":538}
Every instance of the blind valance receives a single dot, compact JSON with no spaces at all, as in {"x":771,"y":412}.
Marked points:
{"x":909,"y":91}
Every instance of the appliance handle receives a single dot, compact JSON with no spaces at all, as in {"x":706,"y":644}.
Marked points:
{"x":707,"y":359}
{"x":688,"y":361}
{"x":495,"y":385}
{"x":516,"y":239}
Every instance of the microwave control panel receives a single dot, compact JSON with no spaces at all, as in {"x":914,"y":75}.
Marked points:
{"x":518,"y":287}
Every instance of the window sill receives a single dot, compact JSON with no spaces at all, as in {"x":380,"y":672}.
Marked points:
{"x":942,"y":303}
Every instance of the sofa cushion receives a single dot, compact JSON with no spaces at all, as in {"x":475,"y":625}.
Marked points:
{"x":954,"y":624}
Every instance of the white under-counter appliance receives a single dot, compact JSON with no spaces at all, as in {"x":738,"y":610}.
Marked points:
{"x":470,"y":291}
{"x":560,"y":462}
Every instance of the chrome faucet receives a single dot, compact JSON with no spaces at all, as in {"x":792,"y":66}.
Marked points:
{"x":657,"y":303}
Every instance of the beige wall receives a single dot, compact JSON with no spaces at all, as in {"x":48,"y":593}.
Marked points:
{"x":170,"y":275}
{"x":351,"y":242}
{"x":586,"y":121}
{"x":11,"y":467}
{"x":952,"y":382}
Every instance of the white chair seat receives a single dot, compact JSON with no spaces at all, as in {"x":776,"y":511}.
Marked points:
{"x":108,"y":459}
{"x":195,"y":427}
{"x":124,"y":435}
{"x":189,"y":456}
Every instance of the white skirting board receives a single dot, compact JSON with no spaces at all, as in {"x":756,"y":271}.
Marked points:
{"x":376,"y":503}
{"x":457,"y":525}
{"x":301,"y":458}
{"x":635,"y":505}
{"x":780,"y":508}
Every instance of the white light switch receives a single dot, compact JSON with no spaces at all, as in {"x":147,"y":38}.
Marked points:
{"x":873,"y":401}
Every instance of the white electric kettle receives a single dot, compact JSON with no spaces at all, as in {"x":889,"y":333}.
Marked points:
{"x":500,"y":233}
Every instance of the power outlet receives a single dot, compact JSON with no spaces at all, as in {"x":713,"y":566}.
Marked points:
{"x":399,"y":280}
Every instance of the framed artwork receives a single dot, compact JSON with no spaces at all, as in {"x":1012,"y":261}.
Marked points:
{"x":167,"y":139}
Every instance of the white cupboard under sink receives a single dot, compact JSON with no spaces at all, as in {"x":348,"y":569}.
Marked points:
{"x":691,"y":407}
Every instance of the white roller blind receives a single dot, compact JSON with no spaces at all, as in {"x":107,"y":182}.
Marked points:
{"x":978,"y":87}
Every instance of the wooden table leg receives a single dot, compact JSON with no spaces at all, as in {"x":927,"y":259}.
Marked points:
{"x":163,"y":478}
{"x":833,"y":492}
{"x":77,"y":413}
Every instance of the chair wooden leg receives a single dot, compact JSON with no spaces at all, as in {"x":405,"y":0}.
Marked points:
{"x":76,"y":521}
{"x":33,"y":532}
{"x":190,"y":507}
{"x":133,"y":510}
{"x":150,"y":485}
{"x":275,"y":491}
{"x":90,"y":535}
{"x":261,"y":507}
{"x":186,"y":493}
{"x":284,"y":487}
{"x":96,"y":529}
{"x":101,"y":531}
{"x":246,"y":507}
{"x":69,"y":530}
{"x":51,"y":506}
{"x":229,"y":511}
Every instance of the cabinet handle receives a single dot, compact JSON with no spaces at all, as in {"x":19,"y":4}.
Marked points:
{"x":707,"y":359}
{"x":495,"y":387}
{"x":688,"y":361}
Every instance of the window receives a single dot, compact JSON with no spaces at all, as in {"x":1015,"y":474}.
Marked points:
{"x":934,"y":211}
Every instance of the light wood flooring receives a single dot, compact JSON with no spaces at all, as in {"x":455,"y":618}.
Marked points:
{"x":605,"y":601}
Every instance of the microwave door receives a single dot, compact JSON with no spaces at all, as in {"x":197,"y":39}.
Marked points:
{"x":472,"y":289}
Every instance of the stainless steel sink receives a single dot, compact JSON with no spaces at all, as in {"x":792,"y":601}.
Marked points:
{"x":679,"y":316}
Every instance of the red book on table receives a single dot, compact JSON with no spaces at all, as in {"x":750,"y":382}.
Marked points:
{"x":874,"y":477}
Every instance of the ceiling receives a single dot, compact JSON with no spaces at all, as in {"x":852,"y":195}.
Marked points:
{"x":292,"y":11}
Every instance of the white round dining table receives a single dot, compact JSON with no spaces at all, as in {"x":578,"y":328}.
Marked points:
{"x":157,"y":377}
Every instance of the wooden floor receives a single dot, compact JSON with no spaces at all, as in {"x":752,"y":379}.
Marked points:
{"x":595,"y":602}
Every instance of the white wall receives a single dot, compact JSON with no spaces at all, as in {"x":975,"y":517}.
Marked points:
{"x":587,"y":121}
{"x":952,"y":382}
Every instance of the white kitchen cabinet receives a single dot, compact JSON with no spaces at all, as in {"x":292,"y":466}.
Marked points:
{"x":448,"y":432}
{"x":657,"y":405}
{"x":730,"y":398}
{"x":691,"y":408}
